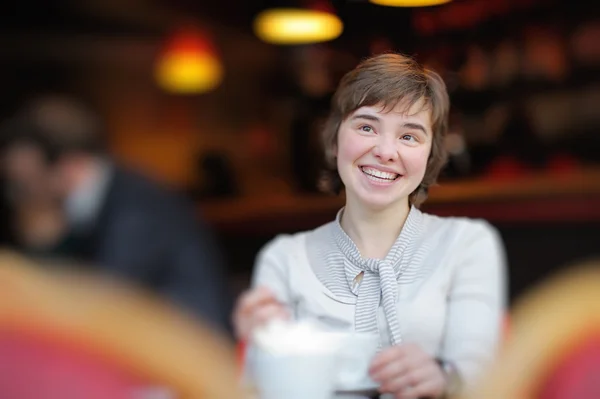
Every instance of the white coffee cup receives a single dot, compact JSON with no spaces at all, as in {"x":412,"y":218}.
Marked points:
{"x":355,"y":356}
{"x":302,"y":360}
{"x":294,"y":375}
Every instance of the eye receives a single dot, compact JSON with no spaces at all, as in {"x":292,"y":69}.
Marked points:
{"x":366,"y":129}
{"x":408,"y":137}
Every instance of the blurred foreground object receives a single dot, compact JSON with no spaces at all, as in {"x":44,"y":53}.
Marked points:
{"x":553,"y":351}
{"x":66,"y":334}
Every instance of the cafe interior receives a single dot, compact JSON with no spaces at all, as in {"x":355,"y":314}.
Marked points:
{"x":222,"y":102}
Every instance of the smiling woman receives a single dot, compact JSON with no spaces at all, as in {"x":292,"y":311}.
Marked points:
{"x":430,"y":289}
{"x":400,"y":90}
{"x":382,"y":154}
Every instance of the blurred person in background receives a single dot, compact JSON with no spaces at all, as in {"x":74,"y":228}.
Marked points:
{"x":96,"y":211}
{"x":35,"y":221}
{"x":431,"y":289}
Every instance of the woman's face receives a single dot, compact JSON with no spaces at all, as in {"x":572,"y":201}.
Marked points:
{"x":382,"y":154}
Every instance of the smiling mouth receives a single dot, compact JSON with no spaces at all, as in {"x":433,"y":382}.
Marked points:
{"x":378,"y":175}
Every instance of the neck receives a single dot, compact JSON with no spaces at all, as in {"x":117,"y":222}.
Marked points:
{"x":374,"y":231}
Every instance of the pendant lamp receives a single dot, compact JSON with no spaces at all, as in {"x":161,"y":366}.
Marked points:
{"x":409,"y":3}
{"x":315,"y":22}
{"x":188,"y":63}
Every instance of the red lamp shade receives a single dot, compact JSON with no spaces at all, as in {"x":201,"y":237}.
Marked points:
{"x":188,"y":63}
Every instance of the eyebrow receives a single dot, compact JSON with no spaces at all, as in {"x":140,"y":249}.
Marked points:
{"x":367,"y":117}
{"x":408,"y":125}
{"x":416,"y":126}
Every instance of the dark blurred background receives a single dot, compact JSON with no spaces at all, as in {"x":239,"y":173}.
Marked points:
{"x":523,"y":78}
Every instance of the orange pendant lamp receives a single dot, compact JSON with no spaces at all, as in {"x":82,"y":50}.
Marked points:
{"x":409,"y":3}
{"x":188,"y":63}
{"x":317,"y":22}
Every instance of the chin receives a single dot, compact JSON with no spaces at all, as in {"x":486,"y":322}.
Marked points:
{"x":380,"y":202}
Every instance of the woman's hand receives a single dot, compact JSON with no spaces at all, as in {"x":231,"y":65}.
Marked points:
{"x":408,"y":372}
{"x":254,"y":308}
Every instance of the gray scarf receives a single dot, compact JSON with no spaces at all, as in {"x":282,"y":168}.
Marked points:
{"x":366,"y":282}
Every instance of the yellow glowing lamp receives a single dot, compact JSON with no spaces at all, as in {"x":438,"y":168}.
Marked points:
{"x":409,"y":3}
{"x":188,"y":64}
{"x":298,"y":25}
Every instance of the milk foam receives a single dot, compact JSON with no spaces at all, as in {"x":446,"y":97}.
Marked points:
{"x":291,"y":338}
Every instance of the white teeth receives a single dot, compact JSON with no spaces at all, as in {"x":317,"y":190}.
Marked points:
{"x":378,"y":173}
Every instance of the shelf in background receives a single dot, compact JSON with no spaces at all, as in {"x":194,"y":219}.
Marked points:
{"x":571,"y":197}
{"x":532,"y":186}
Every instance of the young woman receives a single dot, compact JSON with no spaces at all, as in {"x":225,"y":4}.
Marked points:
{"x":433,"y":288}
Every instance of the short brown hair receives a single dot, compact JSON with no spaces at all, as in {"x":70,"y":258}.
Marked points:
{"x":389,"y":79}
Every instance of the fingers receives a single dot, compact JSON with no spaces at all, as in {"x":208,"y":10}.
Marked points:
{"x":255,"y":307}
{"x":268,"y":312}
{"x":407,"y":372}
{"x":251,"y":299}
{"x":389,"y":371}
{"x":397,"y":359}
{"x":427,"y":389}
{"x":408,"y":380}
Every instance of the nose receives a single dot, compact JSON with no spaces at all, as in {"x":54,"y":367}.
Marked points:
{"x":386,"y":149}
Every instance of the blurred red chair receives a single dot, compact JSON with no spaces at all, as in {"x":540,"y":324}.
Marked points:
{"x":577,"y":375}
{"x":32,"y":368}
{"x":71,"y":335}
{"x":553,"y":350}
{"x":240,"y":351}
